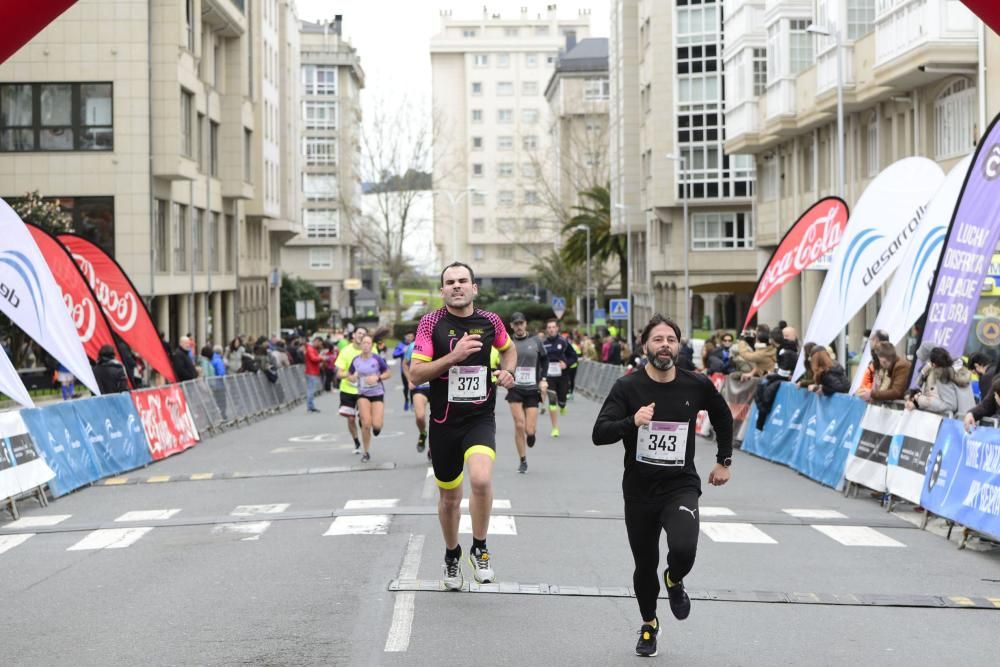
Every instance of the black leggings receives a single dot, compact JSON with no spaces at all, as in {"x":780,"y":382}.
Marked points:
{"x":678,"y":515}
{"x":406,"y":388}
{"x":571,"y":383}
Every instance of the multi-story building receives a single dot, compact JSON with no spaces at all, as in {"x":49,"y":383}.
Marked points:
{"x":147,"y":120}
{"x":491,"y":138}
{"x":666,"y":70}
{"x":331,"y":80}
{"x":913,"y":84}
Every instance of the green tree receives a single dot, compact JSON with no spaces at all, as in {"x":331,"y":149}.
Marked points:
{"x":559,"y":277}
{"x":296,"y":289}
{"x":595,"y":213}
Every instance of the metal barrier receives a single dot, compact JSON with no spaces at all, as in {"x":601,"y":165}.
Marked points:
{"x":594,"y":379}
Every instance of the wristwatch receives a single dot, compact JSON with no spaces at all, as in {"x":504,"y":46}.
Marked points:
{"x":725,"y":462}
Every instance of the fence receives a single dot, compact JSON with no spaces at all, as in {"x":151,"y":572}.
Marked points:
{"x":594,"y":380}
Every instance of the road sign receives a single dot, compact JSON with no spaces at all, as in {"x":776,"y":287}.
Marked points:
{"x":352,"y":283}
{"x":558,"y":306}
{"x":600,"y":314}
{"x":619,"y":309}
{"x":305,"y":310}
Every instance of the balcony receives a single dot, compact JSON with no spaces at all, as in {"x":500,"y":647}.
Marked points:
{"x":826,"y":68}
{"x":904,"y":26}
{"x":227,"y":17}
{"x":744,"y":19}
{"x":780,"y":99}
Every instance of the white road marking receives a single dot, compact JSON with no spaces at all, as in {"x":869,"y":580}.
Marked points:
{"x":858,"y":536}
{"x":147,"y":515}
{"x":38,"y":521}
{"x":110,"y":538}
{"x":429,"y":484}
{"x":430,"y":471}
{"x":716,"y":511}
{"x":8,"y":542}
{"x":368,"y":524}
{"x":746,"y":533}
{"x":254,"y":529}
{"x":371,"y":503}
{"x":253,"y":510}
{"x":498,"y":504}
{"x":499,"y":525}
{"x":403,"y":610}
{"x":815,"y":514}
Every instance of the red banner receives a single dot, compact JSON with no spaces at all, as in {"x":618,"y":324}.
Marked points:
{"x":816,"y":233}
{"x":23,"y":20}
{"x":987,"y":10}
{"x":166,"y":419}
{"x":83,"y":308}
{"x":121,"y":303}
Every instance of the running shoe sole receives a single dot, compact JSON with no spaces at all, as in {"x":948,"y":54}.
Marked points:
{"x":476,"y":573}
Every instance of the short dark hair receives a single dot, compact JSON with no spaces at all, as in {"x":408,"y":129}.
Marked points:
{"x":881,"y":335}
{"x":655,"y":321}
{"x":454,"y":265}
{"x":940,"y":358}
{"x":979,"y":358}
{"x":552,"y":320}
{"x":885,"y":349}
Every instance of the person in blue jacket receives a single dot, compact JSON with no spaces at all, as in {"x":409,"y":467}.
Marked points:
{"x":398,"y":353}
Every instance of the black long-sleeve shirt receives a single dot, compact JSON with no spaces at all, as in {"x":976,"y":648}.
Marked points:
{"x":677,"y":401}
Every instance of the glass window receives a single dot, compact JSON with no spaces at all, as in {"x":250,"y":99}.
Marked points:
{"x":718,"y":231}
{"x":178,"y":236}
{"x":505,"y":88}
{"x":481,"y":60}
{"x":860,"y":18}
{"x":320,"y":114}
{"x":320,"y":258}
{"x":477,"y":169}
{"x":55,"y":112}
{"x":198,"y":247}
{"x":478,"y":199}
{"x":505,"y":143}
{"x":16,"y":118}
{"x":96,"y":131}
{"x":247,"y":155}
{"x":759,"y":72}
{"x":213,"y":241}
{"x":319,"y":80}
{"x":478,"y":252}
{"x":477,"y":115}
{"x":213,"y":148}
{"x":510,"y":32}
{"x":954,"y":120}
{"x":230,"y":243}
{"x":323,"y":223}
{"x":477,"y":88}
{"x":161,"y":235}
{"x":541,"y":30}
{"x":872,"y":149}
{"x":531,"y":198}
{"x":479,"y":225}
{"x":320,"y":151}
{"x":531,"y":224}
{"x":529,"y":142}
{"x":319,"y":186}
{"x":503,"y":60}
{"x":506,"y":252}
{"x":529,"y":116}
{"x":529,"y":88}
{"x":505,"y":170}
{"x":187,"y":111}
{"x":505,"y":115}
{"x":596,"y":89}
{"x":528,"y":170}
{"x":800,"y":45}
{"x":477,"y":143}
{"x":468,"y":32}
{"x":531,"y":60}
{"x":505,"y":198}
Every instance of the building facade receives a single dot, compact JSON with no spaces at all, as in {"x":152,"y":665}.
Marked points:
{"x":667,"y":138}
{"x":329,"y":149}
{"x":491,"y":140}
{"x":913,"y":84}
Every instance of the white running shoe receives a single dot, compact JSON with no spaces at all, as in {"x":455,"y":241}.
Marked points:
{"x":482,"y":568}
{"x":453,"y":578}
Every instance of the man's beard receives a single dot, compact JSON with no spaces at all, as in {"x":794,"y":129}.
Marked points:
{"x":660,"y":364}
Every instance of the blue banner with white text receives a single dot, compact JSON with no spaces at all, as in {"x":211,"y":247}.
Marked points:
{"x":829,"y":436}
{"x":64,"y":445}
{"x":115,"y":432}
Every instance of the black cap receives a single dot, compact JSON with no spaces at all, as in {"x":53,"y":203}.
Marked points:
{"x":517,"y":317}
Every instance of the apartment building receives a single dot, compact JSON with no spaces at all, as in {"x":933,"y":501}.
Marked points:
{"x":667,"y":112}
{"x":148,"y":122}
{"x":330,"y":80}
{"x":491,"y":140}
{"x":913,"y":84}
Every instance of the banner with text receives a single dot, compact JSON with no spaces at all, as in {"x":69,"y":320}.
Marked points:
{"x":909,"y":452}
{"x":738,"y":395}
{"x":166,"y":420}
{"x":883,"y":222}
{"x":703,"y":426}
{"x":115,"y":432}
{"x":21,"y":466}
{"x":783,"y":428}
{"x":829,"y":436}
{"x":64,"y":446}
{"x":972,"y":237}
{"x":868,"y":462}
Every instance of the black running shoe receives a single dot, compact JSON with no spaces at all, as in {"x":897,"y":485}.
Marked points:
{"x":680,"y":603}
{"x":531,"y":440}
{"x":366,"y":457}
{"x":647,"y":640}
{"x":523,"y":468}
{"x":422,"y":442}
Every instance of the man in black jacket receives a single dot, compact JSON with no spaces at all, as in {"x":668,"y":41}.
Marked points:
{"x":184,"y":368}
{"x":767,"y":390}
{"x":110,"y":374}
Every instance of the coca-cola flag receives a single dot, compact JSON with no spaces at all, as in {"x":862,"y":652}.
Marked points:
{"x":81,"y":303}
{"x":816,"y":233}
{"x":121,"y":303}
{"x":23,"y":20}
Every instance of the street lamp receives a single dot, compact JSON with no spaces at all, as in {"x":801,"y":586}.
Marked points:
{"x":589,"y":313}
{"x":454,"y":197}
{"x":834,"y":32}
{"x":688,"y":330}
{"x":628,"y":269}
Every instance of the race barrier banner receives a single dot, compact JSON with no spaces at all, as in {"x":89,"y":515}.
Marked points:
{"x":909,"y":453}
{"x":166,"y":419}
{"x":64,"y":445}
{"x":868,"y":463}
{"x":22,"y":468}
{"x":115,"y":433}
{"x":962,"y":482}
{"x":739,"y":397}
{"x":703,"y":426}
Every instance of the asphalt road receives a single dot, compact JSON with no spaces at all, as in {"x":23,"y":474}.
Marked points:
{"x":283,"y":550}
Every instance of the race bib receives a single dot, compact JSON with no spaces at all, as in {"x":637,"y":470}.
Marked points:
{"x":555,"y":370}
{"x":524,"y":375}
{"x":467,"y":384}
{"x":662,"y":443}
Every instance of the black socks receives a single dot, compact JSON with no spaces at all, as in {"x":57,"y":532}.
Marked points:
{"x":453,"y":554}
{"x":478,"y":545}
{"x":376,"y":431}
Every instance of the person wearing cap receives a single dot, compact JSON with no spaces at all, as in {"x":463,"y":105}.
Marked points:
{"x":109,"y":372}
{"x":529,"y":384}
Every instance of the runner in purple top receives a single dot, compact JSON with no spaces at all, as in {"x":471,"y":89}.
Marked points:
{"x":367,"y":371}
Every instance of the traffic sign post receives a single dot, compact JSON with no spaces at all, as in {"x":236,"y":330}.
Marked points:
{"x":600,"y":317}
{"x":619,"y":309}
{"x":559,"y":306}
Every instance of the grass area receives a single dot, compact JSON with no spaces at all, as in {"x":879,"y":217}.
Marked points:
{"x":413,"y":294}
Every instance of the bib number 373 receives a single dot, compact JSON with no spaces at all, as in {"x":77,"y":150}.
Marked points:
{"x":662,"y":443}
{"x":467,"y":384}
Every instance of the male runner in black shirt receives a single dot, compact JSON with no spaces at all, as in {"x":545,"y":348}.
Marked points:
{"x":561,"y":356}
{"x":653,"y":412}
{"x":529,"y":383}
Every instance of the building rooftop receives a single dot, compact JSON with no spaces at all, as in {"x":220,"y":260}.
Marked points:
{"x":589,"y":55}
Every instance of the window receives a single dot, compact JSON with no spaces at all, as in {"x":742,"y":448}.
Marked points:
{"x":319,"y":80}
{"x":666,"y":235}
{"x":531,"y":60}
{"x":954,"y":120}
{"x":596,"y":89}
{"x":481,"y":60}
{"x":478,"y":225}
{"x":468,"y":33}
{"x":319,"y":114}
{"x":189,"y":19}
{"x":531,"y":198}
{"x":319,"y":186}
{"x":697,"y":24}
{"x":505,"y":115}
{"x":531,"y":224}
{"x":773,"y":46}
{"x":477,"y":115}
{"x":510,"y":32}
{"x":717,"y":231}
{"x":187,"y":113}
{"x":198,"y":235}
{"x":213,"y":241}
{"x":800,"y":45}
{"x":872,"y":149}
{"x":320,"y":151}
{"x":56,"y":117}
{"x":505,"y":198}
{"x":529,"y":88}
{"x":161,"y":234}
{"x":503,"y":60}
{"x":505,"y":88}
{"x":477,"y":169}
{"x":477,"y":87}
{"x":247,"y":155}
{"x":505,"y":143}
{"x":478,"y":252}
{"x":506,"y":252}
{"x":178,"y":235}
{"x":200,"y":141}
{"x":505,"y":170}
{"x":529,"y":116}
{"x":507,"y":224}
{"x":230,"y":243}
{"x":529,"y":142}
{"x":213,"y":148}
{"x":769,"y":180}
{"x":860,"y":18}
{"x":320,"y":258}
{"x":478,"y":199}
{"x":759,"y":71}
{"x":541,"y":30}
{"x":477,"y":143}
{"x":550,"y":60}
{"x":528,"y":170}
{"x":321,"y":223}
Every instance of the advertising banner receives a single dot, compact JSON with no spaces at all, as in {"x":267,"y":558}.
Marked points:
{"x":906,"y":299}
{"x":783,"y":428}
{"x":815,"y":234}
{"x":65,"y":447}
{"x":21,"y":466}
{"x":868,"y":462}
{"x":703,"y":426}
{"x":962,"y":482}
{"x":972,"y":238}
{"x":115,"y":433}
{"x":12,"y":385}
{"x":85,"y":312}
{"x":884,"y":221}
{"x":739,"y":396}
{"x":166,"y":420}
{"x":830,"y":433}
{"x":121,"y":303}
{"x":909,"y":452}
{"x":31,"y":299}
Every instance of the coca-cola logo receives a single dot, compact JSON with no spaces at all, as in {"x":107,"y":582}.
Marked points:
{"x":84,"y":316}
{"x":821,"y":230}
{"x":122,"y":309}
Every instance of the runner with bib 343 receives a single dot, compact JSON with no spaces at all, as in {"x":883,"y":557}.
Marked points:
{"x":653,"y":412}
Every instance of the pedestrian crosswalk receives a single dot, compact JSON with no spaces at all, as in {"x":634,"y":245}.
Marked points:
{"x":375,"y":516}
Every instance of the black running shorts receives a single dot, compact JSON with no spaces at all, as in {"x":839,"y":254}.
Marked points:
{"x":453,"y":445}
{"x":348,"y":404}
{"x":529,"y":397}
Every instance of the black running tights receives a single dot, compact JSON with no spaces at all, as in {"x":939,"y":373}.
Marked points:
{"x":678,"y":516}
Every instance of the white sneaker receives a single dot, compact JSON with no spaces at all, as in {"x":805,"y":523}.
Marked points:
{"x":482,"y":569}
{"x":453,"y":578}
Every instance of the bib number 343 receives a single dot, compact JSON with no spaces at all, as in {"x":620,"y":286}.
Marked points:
{"x":467,"y":384}
{"x":662,"y":443}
